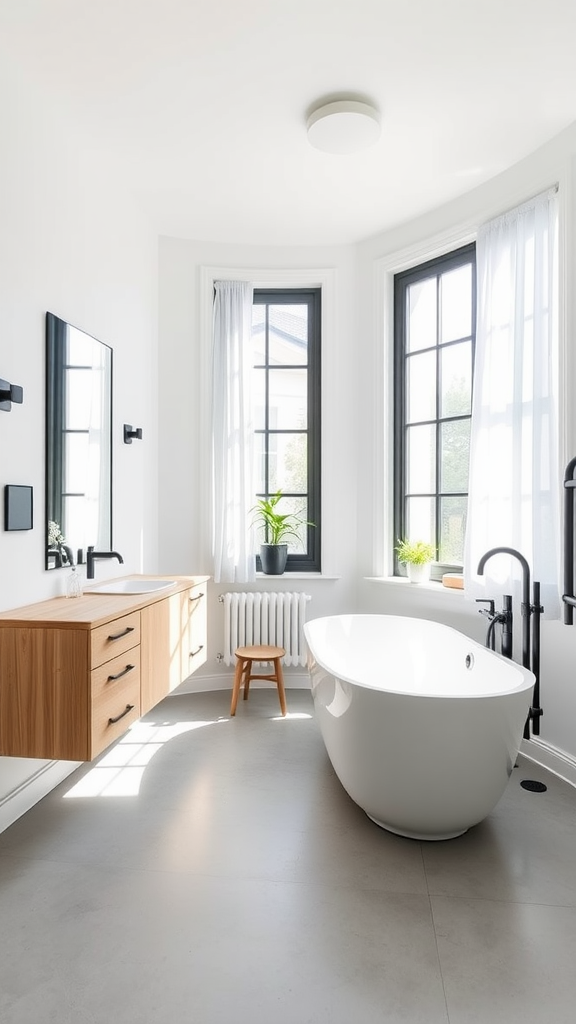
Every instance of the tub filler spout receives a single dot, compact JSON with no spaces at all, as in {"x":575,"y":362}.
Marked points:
{"x":525,"y":607}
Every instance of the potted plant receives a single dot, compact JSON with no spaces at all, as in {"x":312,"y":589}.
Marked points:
{"x":416,"y":556}
{"x":58,"y":549}
{"x":278,"y":528}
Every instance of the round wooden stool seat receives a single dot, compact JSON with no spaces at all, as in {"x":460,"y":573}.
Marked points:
{"x":260,"y":652}
{"x":245,"y":658}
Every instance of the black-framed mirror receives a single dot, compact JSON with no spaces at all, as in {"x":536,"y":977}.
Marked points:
{"x":78,"y":443}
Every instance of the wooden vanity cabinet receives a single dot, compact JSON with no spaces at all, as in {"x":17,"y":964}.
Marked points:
{"x":74,"y":675}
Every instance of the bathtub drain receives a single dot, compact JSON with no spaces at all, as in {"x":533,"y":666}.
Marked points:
{"x":533,"y":786}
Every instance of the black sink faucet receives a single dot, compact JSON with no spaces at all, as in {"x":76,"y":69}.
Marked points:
{"x":526,"y":608}
{"x":91,"y":557}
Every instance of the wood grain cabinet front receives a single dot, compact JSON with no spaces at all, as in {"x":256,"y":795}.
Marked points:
{"x":45,"y":693}
{"x":197,"y":630}
{"x":174,"y":636}
{"x":115,"y":680}
{"x":114,"y":637}
{"x":115,"y":698}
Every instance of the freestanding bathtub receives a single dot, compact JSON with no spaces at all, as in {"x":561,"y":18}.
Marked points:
{"x":422,"y":725}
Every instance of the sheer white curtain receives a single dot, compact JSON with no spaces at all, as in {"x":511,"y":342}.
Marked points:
{"x":232,"y":434}
{"x":514,"y":466}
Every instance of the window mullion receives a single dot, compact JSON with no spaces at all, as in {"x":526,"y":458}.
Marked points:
{"x":438,"y":428}
{"x":266,"y":403}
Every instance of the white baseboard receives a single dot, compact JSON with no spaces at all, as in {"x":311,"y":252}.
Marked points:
{"x":556,"y":761}
{"x":223,"y":681}
{"x":29,"y":792}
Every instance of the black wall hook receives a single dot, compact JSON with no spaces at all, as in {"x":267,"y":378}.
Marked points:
{"x":129,"y":433}
{"x":10,"y":393}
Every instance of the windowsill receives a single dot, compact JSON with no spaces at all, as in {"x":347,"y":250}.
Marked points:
{"x":297,"y":576}
{"x":433,"y":587}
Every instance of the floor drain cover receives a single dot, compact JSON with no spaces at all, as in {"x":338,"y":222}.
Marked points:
{"x":533,"y":786}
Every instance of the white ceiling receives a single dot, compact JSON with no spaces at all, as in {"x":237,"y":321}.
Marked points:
{"x":202,"y":104}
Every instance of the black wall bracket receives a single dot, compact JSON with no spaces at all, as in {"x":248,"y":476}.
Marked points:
{"x":130,"y":432}
{"x":10,"y":393}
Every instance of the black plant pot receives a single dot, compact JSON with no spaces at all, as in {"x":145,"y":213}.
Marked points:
{"x":273,"y":558}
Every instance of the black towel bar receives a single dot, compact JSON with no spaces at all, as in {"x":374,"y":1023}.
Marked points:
{"x":569,"y":597}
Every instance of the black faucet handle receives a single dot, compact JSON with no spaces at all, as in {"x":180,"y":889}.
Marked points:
{"x":490,"y":610}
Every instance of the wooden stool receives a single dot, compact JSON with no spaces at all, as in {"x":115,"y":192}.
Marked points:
{"x":244,"y":673}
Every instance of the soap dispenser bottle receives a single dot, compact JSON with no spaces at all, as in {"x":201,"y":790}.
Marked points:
{"x":73,"y":584}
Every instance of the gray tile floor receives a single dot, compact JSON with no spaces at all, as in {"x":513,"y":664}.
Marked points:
{"x":212,"y":870}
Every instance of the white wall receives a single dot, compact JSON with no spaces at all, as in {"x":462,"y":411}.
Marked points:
{"x":70,"y":242}
{"x":378,"y":259}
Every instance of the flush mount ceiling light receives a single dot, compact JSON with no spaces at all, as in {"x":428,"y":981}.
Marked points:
{"x":344,"y":126}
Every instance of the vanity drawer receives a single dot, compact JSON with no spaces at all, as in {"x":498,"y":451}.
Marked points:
{"x":197,"y":630}
{"x":115,"y":637}
{"x":113,"y":712}
{"x":116,"y":674}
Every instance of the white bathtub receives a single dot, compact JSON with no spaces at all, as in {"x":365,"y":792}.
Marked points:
{"x":422,"y":725}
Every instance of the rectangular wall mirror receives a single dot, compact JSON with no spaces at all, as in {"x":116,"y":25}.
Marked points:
{"x":78,"y":443}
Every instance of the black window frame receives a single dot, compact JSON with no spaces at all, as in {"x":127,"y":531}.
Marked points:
{"x":309,"y":561}
{"x":433,"y":267}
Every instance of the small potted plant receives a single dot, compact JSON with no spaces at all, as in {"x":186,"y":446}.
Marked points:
{"x":278,"y":528}
{"x":58,"y":549}
{"x":416,"y":556}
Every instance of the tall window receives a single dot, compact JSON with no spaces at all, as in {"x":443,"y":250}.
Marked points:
{"x":434,"y":325}
{"x":286,"y":358}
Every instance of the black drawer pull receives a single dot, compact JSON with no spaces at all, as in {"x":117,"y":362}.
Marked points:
{"x":197,"y":651}
{"x":112,"y":679}
{"x":118,"y":636}
{"x":112,"y":721}
{"x":197,"y":598}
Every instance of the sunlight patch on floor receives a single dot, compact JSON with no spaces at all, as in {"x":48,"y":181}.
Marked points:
{"x":290,"y":716}
{"x":120,"y":771}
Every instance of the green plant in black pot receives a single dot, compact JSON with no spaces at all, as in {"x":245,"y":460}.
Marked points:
{"x":278,"y":528}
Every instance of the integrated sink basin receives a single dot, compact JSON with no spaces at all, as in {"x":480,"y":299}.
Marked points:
{"x":131,"y":587}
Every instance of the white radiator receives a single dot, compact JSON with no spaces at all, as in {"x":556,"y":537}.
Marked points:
{"x":265,"y":618}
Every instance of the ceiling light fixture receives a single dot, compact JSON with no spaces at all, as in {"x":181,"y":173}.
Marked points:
{"x":343,"y":126}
